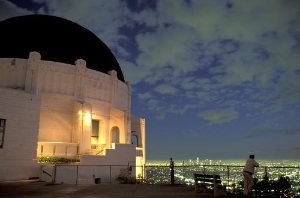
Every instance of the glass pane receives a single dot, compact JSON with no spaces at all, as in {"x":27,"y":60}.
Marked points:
{"x":2,"y":128}
{"x":2,"y":123}
{"x":95,"y":128}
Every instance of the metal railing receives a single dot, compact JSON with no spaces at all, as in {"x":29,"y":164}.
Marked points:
{"x":231,"y":176}
{"x":86,"y":174}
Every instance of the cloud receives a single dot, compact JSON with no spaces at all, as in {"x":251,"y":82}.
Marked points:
{"x":245,"y":54}
{"x":103,"y":18}
{"x":180,"y":109}
{"x":166,"y":89}
{"x":218,"y":116}
{"x":8,"y":10}
{"x":145,"y":96}
{"x":170,"y":46}
{"x":155,"y":106}
{"x":189,"y":83}
{"x":248,"y":50}
{"x":133,"y":73}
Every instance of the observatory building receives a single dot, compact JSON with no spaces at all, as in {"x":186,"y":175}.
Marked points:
{"x":63,"y":94}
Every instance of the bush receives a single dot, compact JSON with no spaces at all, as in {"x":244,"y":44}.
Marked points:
{"x":273,"y":188}
{"x":55,"y":160}
{"x":124,"y":177}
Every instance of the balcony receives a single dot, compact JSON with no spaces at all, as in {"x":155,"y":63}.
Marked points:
{"x":59,"y":149}
{"x":70,"y":150}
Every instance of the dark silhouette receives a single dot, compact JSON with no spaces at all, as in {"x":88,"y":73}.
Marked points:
{"x":277,"y":188}
{"x":172,"y":170}
{"x":56,"y":39}
{"x":247,"y":173}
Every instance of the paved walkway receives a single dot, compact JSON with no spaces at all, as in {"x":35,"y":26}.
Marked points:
{"x":32,"y":189}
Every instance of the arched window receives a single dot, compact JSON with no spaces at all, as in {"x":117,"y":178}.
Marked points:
{"x":135,"y":140}
{"x":115,"y":135}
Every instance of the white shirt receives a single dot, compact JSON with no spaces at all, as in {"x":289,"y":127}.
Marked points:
{"x":250,"y":164}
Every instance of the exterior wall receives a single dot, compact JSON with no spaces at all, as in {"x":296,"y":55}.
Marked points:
{"x":60,"y":149}
{"x":125,"y":152}
{"x":81,"y":174}
{"x":138,"y":126}
{"x":18,"y":155}
{"x":46,"y":77}
{"x":138,"y":129}
{"x":101,"y":112}
{"x":56,"y":123}
{"x":13,"y":73}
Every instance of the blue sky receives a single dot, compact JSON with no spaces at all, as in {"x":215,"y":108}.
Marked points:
{"x":214,"y":79}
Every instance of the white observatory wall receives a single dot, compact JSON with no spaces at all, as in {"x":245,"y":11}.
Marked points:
{"x":42,"y":101}
{"x":18,"y":155}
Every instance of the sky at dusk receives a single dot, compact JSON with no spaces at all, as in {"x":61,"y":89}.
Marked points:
{"x":214,"y":79}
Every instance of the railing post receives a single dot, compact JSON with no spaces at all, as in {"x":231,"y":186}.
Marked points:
{"x":76,"y":174}
{"x":228,"y":175}
{"x":183,"y":172}
{"x":143,"y":171}
{"x":54,"y":174}
{"x":266,"y":170}
{"x":110,"y":174}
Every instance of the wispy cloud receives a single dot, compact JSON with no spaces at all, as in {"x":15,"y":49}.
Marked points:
{"x":218,"y":116}
{"x":8,"y":9}
{"x":180,"y":109}
{"x":166,"y":89}
{"x":145,"y":96}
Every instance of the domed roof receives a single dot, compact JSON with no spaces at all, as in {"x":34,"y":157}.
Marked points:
{"x":56,"y":39}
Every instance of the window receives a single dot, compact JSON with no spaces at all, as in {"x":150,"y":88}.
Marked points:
{"x":2,"y":129}
{"x":115,"y":133}
{"x":95,"y":131}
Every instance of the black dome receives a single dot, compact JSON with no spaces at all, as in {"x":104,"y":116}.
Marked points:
{"x":56,"y":39}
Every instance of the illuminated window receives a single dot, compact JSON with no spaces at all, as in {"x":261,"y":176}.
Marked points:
{"x":2,"y":129}
{"x":95,"y":131}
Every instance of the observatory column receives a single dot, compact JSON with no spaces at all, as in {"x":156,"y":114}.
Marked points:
{"x":80,"y":80}
{"x":32,"y":73}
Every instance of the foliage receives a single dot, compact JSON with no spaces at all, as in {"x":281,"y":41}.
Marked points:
{"x":125,"y":177}
{"x":140,"y":179}
{"x":55,"y":160}
{"x":273,"y":188}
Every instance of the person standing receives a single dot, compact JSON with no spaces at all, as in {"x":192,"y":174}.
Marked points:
{"x":248,"y":172}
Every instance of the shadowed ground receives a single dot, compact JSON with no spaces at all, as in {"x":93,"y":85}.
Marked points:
{"x":22,"y":189}
{"x":42,"y":189}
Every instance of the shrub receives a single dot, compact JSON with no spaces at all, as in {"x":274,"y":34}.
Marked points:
{"x":55,"y":160}
{"x":124,"y":177}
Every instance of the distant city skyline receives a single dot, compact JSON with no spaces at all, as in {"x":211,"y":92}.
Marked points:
{"x":230,"y":162}
{"x":214,"y":79}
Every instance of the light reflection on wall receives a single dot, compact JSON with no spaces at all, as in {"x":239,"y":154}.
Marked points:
{"x":87,"y":116}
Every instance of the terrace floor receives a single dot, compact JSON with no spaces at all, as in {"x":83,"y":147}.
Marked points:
{"x":34,"y":188}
